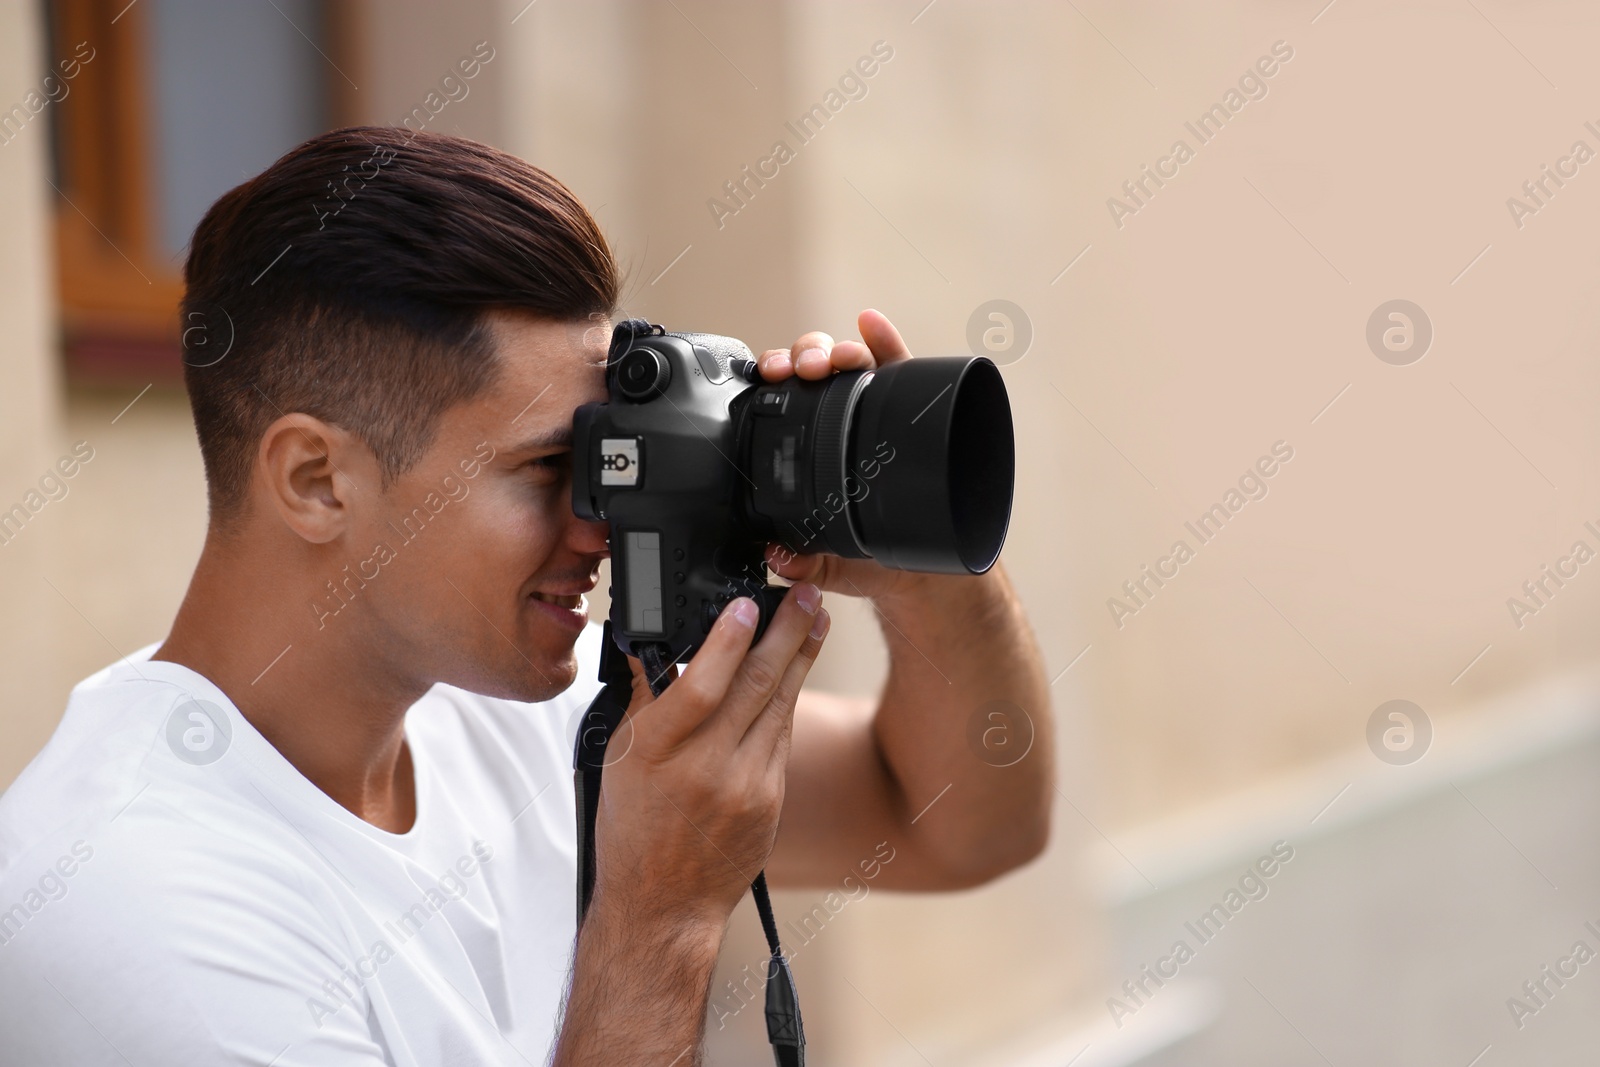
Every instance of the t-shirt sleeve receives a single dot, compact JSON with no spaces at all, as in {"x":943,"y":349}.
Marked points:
{"x":156,"y":953}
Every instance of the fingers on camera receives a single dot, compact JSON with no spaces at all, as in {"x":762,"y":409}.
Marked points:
{"x":767,"y":733}
{"x":852,"y":355}
{"x":882,"y":337}
{"x":775,"y":363}
{"x":705,"y":683}
{"x":810,"y":355}
{"x":772,"y":673}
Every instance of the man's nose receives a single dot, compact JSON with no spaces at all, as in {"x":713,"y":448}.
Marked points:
{"x":589,"y":538}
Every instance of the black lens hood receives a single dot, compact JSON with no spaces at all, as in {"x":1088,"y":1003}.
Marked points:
{"x":942,"y":502}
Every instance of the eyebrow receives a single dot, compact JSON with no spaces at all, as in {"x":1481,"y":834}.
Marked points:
{"x":556,"y":437}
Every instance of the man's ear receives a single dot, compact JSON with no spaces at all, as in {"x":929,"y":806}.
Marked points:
{"x":310,"y":472}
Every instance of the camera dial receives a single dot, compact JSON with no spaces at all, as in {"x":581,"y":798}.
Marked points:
{"x":642,"y":374}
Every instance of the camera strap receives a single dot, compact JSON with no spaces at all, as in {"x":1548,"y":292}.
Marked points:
{"x":784,"y":1028}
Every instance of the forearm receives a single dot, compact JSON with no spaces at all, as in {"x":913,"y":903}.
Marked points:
{"x":966,"y":697}
{"x":639,"y":990}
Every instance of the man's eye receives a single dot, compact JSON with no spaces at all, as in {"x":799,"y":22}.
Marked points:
{"x":554,"y":464}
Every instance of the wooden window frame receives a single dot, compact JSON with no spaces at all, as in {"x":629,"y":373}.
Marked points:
{"x":118,"y":292}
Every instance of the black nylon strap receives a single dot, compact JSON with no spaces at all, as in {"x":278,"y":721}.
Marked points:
{"x":784,"y":1028}
{"x":785,"y":1031}
{"x":623,"y":335}
{"x":589,"y":755}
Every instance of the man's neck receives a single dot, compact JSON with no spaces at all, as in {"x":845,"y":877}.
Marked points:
{"x":324,"y":700}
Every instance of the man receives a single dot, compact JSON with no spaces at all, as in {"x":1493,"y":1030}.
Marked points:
{"x":329,"y":819}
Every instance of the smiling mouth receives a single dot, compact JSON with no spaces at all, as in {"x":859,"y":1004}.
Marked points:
{"x":571,"y":602}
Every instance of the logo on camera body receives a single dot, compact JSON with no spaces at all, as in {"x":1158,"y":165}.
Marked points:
{"x":619,"y":461}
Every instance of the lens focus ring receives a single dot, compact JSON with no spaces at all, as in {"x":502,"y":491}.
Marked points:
{"x":829,"y":459}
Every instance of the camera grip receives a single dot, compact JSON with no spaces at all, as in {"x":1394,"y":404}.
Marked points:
{"x":767,"y":598}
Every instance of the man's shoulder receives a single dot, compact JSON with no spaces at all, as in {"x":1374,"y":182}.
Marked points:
{"x":173,"y":925}
{"x":152,"y":835}
{"x":155,"y":875}
{"x":95,"y":760}
{"x":163,"y":880}
{"x":151,"y":753}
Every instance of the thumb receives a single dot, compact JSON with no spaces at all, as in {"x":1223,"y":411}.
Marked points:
{"x":641,"y":683}
{"x":881,"y":336}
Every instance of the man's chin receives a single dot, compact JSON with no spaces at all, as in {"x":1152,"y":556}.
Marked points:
{"x":534,"y":672}
{"x":550,"y":679}
{"x":530,"y":674}
{"x":550,"y":667}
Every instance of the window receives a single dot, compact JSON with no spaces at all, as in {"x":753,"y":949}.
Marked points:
{"x":178,"y":101}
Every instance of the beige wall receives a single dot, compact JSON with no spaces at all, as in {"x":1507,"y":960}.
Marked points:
{"x":404,"y":50}
{"x":31,"y":436}
{"x":98,"y":572}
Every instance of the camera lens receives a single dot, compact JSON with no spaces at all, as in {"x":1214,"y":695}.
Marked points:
{"x":912,"y":464}
{"x":943,"y":502}
{"x":642,"y":374}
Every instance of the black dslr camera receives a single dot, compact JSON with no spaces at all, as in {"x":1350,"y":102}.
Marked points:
{"x":697,"y":464}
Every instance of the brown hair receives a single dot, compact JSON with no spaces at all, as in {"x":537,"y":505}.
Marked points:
{"x":349,"y":281}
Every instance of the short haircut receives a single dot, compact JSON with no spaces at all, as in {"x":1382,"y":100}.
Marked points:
{"x":351,"y":279}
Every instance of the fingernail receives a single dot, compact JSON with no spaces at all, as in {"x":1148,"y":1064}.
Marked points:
{"x":811,"y":357}
{"x":779,"y":364}
{"x":808,"y":596}
{"x":745,"y":612}
{"x":820,"y":626}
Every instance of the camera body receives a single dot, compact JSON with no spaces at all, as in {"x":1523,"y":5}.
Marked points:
{"x":657,"y":464}
{"x":697,"y":464}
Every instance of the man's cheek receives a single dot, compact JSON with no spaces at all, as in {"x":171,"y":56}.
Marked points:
{"x":517,"y":527}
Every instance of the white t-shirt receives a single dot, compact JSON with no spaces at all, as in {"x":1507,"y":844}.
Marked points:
{"x":173,"y":891}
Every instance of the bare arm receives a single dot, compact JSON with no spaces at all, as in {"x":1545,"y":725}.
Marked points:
{"x":954,"y":767}
{"x":639,"y":989}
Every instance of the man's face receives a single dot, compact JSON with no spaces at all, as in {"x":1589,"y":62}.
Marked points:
{"x":483,"y":586}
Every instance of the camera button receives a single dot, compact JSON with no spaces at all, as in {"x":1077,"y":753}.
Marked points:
{"x":716,"y":373}
{"x":771,"y":402}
